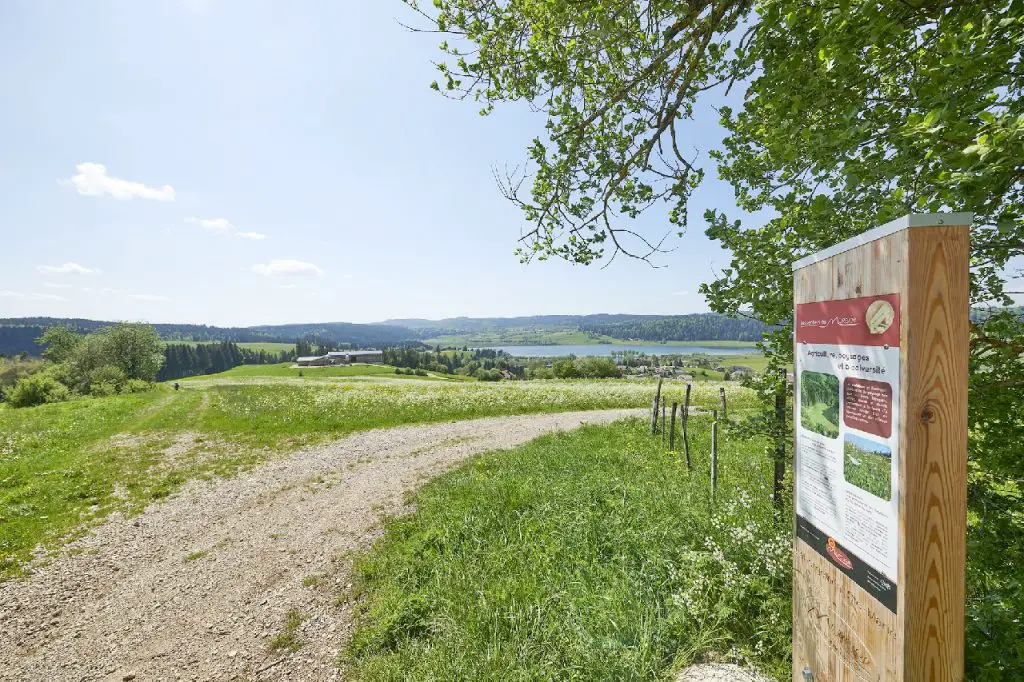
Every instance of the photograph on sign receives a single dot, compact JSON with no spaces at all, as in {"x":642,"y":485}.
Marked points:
{"x":847,"y":446}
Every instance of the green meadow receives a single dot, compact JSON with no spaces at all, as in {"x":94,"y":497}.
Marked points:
{"x":66,"y":465}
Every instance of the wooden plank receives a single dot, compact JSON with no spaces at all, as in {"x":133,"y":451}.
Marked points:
{"x":935,"y":471}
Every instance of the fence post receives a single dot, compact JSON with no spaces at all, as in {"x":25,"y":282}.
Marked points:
{"x":780,"y":439}
{"x":686,"y":435}
{"x":663,"y":408}
{"x":654,"y":409}
{"x":721,"y":395}
{"x":714,"y":461}
{"x":672,"y":432}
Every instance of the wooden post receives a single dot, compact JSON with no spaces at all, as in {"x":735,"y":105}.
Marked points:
{"x":714,"y":461}
{"x":780,"y":445}
{"x":654,"y":409}
{"x":663,"y":408}
{"x":880,"y":462}
{"x":686,"y":435}
{"x":721,"y":395}
{"x":672,"y":431}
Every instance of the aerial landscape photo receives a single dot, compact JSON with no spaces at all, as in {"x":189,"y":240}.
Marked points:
{"x":453,"y":340}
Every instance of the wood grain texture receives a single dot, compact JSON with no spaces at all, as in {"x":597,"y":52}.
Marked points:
{"x":935,"y":461}
{"x":840,"y":631}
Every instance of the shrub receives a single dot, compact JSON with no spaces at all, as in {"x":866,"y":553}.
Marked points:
{"x":36,"y":390}
{"x":104,"y":378}
{"x":101,"y":389}
{"x":11,"y":370}
{"x":136,"y":386}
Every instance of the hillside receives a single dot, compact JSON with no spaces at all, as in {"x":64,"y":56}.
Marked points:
{"x":17,"y":335}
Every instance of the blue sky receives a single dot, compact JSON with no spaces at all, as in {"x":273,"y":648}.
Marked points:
{"x":230,"y":163}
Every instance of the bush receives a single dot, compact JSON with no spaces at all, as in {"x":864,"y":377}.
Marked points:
{"x":136,"y":386}
{"x":102,"y":389}
{"x":12,"y":370}
{"x":104,"y":378}
{"x":419,"y":373}
{"x":36,"y":390}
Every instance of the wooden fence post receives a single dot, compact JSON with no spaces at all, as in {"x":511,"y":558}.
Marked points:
{"x":663,"y":408}
{"x":714,"y":461}
{"x":654,"y":409}
{"x":780,"y":442}
{"x":721,"y":395}
{"x":672,"y":432}
{"x":686,"y":435}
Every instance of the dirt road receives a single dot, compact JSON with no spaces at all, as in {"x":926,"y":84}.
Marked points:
{"x":198,"y":587}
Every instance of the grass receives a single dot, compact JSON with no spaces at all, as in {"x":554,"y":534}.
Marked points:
{"x":815,"y":418}
{"x":288,"y":638}
{"x":580,"y":556}
{"x":66,"y":465}
{"x":869,"y":470}
{"x":286,"y":369}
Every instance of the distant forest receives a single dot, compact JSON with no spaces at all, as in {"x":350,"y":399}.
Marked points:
{"x":18,"y":335}
{"x":706,"y":327}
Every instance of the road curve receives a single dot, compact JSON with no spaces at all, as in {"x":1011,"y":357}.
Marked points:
{"x":198,"y":586}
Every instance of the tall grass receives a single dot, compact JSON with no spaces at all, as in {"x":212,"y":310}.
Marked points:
{"x":582,"y":556}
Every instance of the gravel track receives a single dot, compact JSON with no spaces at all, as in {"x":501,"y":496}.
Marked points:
{"x":197,"y":587}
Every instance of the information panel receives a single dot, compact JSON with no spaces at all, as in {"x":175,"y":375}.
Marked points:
{"x":847,"y":442}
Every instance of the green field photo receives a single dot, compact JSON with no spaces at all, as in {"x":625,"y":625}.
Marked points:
{"x":819,"y":403}
{"x":867,"y":464}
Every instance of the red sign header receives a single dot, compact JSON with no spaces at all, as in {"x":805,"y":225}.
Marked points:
{"x":867,"y":321}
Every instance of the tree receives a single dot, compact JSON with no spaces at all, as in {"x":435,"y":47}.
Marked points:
{"x":136,"y":349}
{"x":60,"y":343}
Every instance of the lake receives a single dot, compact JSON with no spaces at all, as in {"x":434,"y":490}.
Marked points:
{"x":604,"y":349}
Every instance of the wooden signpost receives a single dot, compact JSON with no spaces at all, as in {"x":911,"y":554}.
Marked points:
{"x":880,"y":471}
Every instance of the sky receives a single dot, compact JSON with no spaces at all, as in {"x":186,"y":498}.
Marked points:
{"x":236,"y":162}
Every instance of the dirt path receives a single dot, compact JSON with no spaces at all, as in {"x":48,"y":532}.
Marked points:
{"x":197,"y":588}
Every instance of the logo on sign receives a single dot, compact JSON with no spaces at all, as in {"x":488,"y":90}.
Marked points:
{"x":835,"y":321}
{"x":838,"y":555}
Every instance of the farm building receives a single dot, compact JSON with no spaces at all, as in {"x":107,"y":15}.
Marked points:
{"x":344,"y":357}
{"x":313,"y":361}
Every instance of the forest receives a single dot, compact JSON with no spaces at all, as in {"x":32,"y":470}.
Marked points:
{"x":18,"y":335}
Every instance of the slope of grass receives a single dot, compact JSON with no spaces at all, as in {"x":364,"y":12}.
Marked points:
{"x":583,"y":556}
{"x":287,"y":369}
{"x":65,"y":464}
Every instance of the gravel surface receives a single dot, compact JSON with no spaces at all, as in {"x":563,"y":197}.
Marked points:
{"x":720,"y":672}
{"x":197,"y":587}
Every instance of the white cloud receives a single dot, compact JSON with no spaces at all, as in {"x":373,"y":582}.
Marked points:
{"x":680,"y":293}
{"x":31,"y":297}
{"x":286,"y":268}
{"x":54,"y":285}
{"x":211,"y":223}
{"x":156,"y":298}
{"x":67,"y":269}
{"x":251,"y":235}
{"x":348,"y":276}
{"x":92,"y":181}
{"x":287,"y":286}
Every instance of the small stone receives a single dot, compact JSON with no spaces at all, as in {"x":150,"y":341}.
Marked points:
{"x":128,"y":676}
{"x":232,"y":654}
